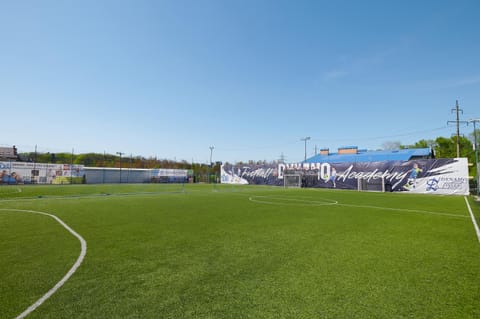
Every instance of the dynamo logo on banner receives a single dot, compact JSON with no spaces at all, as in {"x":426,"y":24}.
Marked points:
{"x":432,"y":185}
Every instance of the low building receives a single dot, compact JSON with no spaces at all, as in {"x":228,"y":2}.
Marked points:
{"x":8,"y":153}
{"x":352,"y":154}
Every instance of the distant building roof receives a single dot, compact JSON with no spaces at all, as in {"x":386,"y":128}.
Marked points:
{"x":8,"y":153}
{"x":373,"y":156}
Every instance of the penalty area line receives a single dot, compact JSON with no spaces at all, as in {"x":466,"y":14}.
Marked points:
{"x":404,"y":210}
{"x":474,"y":221}
{"x":78,"y":262}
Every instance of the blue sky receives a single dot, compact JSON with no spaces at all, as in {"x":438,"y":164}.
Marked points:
{"x":251,"y":78}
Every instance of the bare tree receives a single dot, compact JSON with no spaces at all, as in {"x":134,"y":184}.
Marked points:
{"x":391,"y":145}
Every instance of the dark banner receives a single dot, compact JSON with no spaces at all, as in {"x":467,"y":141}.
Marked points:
{"x":438,"y":176}
{"x":256,"y":174}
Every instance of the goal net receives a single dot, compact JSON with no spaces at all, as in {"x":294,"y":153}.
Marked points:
{"x":292,"y":180}
{"x":371,"y":184}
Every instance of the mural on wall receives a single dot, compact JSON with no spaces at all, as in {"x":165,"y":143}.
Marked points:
{"x":40,"y":173}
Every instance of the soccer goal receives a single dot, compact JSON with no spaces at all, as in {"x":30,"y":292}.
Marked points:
{"x":371,"y":184}
{"x":292,"y":180}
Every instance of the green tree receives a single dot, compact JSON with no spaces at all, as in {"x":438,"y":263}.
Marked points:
{"x":425,"y":144}
{"x":446,"y":147}
{"x":420,"y":144}
{"x":471,"y":136}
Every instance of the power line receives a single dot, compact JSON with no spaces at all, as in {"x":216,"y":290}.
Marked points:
{"x":383,"y":136}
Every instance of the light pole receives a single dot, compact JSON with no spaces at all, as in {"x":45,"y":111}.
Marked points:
{"x":305,"y":139}
{"x":71,"y":168}
{"x":120,"y":153}
{"x":211,"y":153}
{"x":130,"y":168}
{"x":476,"y":150}
{"x":33,"y":179}
{"x":103,"y":179}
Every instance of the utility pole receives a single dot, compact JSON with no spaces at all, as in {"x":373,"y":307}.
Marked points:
{"x":120,"y":153}
{"x":475,"y":146}
{"x":457,"y":110}
{"x":282,"y":158}
{"x":305,"y":139}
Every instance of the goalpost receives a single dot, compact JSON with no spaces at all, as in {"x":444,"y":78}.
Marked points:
{"x":292,"y":180}
{"x":371,"y":184}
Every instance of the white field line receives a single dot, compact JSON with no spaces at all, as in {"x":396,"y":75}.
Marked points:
{"x":297,"y":202}
{"x":474,"y":221}
{"x":88,"y":196}
{"x":278,"y":201}
{"x":72,"y":270}
{"x":16,"y":190}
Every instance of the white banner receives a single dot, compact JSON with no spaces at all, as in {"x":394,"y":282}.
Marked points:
{"x":40,"y":173}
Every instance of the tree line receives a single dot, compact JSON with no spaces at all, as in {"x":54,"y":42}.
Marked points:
{"x":443,"y":147}
{"x":114,"y":161}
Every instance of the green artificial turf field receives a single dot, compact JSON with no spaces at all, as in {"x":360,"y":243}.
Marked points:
{"x":198,"y":251}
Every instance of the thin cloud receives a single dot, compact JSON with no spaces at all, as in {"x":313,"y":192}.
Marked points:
{"x":464,"y":81}
{"x":361,"y":64}
{"x":450,"y":83}
{"x":334,"y":75}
